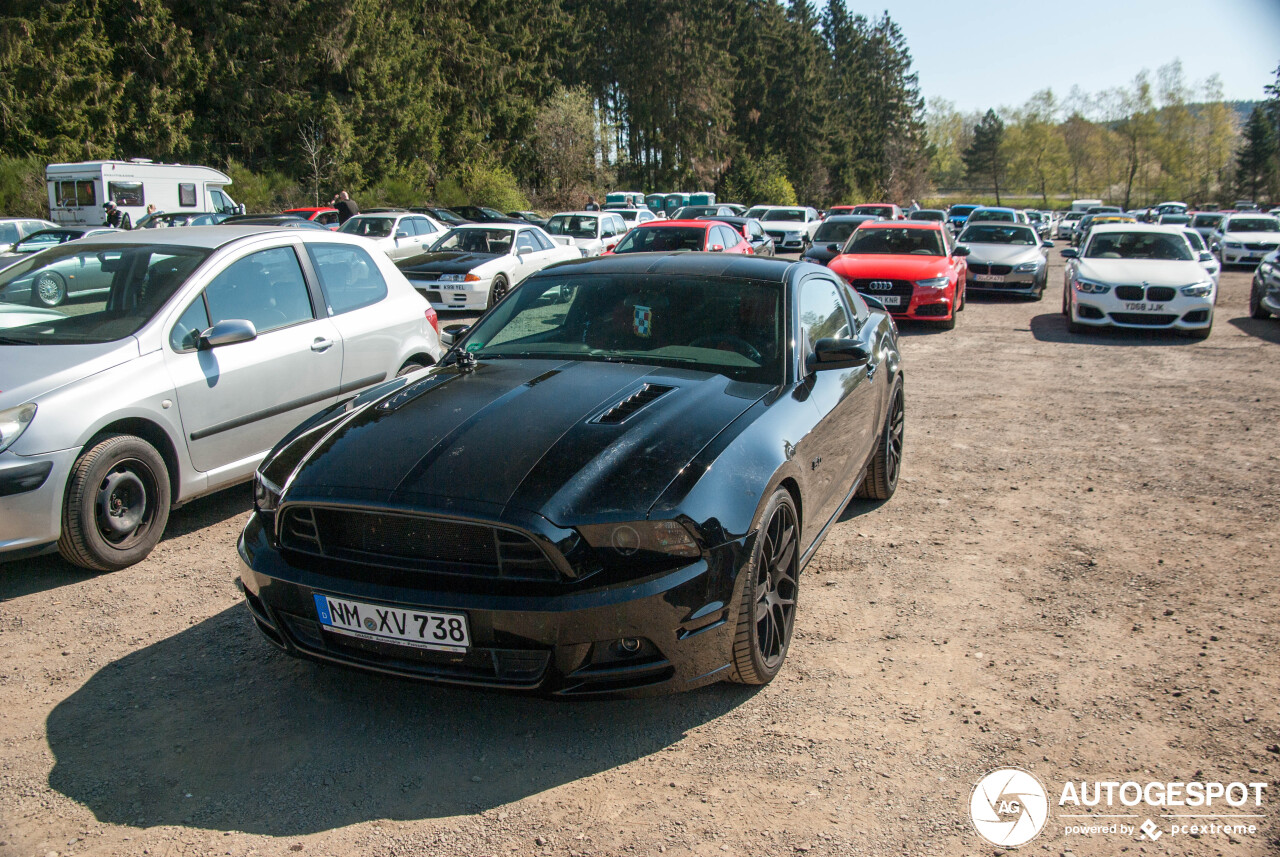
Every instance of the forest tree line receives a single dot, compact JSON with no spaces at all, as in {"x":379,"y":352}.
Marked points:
{"x":512,"y":102}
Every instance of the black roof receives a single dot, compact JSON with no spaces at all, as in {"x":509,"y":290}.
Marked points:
{"x":703,"y":264}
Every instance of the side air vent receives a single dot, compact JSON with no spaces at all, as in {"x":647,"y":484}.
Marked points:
{"x":628,"y":406}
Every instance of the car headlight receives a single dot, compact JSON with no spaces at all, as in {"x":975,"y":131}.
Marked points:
{"x":1090,"y":288}
{"x":1233,"y":245}
{"x":1198,"y":290}
{"x":1027,"y":268}
{"x":934,"y":283}
{"x":266,"y":494}
{"x":634,"y":539}
{"x":13,"y":422}
{"x":459,"y":278}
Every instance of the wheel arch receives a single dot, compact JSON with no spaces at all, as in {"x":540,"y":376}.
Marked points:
{"x":153,"y":434}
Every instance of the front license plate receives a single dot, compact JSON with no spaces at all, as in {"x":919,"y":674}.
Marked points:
{"x":988,"y":278}
{"x":1144,"y":307}
{"x":889,"y":300}
{"x":420,"y":629}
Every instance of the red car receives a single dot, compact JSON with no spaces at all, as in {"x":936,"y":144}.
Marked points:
{"x":326,"y":217}
{"x":663,"y":236}
{"x":914,"y":269}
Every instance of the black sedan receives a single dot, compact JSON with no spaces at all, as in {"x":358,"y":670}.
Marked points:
{"x":611,"y":484}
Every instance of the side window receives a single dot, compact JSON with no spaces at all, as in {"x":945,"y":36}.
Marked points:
{"x":221,"y":204}
{"x":822,"y":313}
{"x":424,"y":226}
{"x":860,"y":309}
{"x":722,"y":237}
{"x":186,"y":194}
{"x":189,"y":327}
{"x":348,"y":276}
{"x":525,"y":241}
{"x":126,"y":193}
{"x":327,"y":218}
{"x":543,"y":241}
{"x":266,"y":288}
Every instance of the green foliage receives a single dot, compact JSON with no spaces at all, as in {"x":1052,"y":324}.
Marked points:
{"x":1257,"y":174}
{"x":22,"y":187}
{"x":265,"y":191}
{"x":482,"y":184}
{"x":758,"y":181}
{"x":985,"y":158}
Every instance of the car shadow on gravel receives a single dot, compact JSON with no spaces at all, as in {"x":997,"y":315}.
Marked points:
{"x":50,"y":571}
{"x":1267,"y":329}
{"x":1052,"y":327}
{"x":213,"y":728}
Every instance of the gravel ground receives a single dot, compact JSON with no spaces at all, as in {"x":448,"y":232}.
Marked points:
{"x":1076,"y":577}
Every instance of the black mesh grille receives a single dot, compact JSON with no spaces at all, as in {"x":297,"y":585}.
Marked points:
{"x":1161,"y":294}
{"x":980,"y":268}
{"x":1261,"y":247}
{"x":1142,"y":318}
{"x":415,"y":543}
{"x":903,"y":288}
{"x":1129,"y":293}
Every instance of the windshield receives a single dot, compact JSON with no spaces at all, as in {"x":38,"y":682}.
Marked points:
{"x":475,"y":239}
{"x":839,"y":231}
{"x":1072,"y":215}
{"x":756,"y":212}
{"x":994,"y":233}
{"x":369,"y":227}
{"x":692,"y":212}
{"x":992,"y":215}
{"x":885,"y":211}
{"x":725,"y":325}
{"x":929,"y":214}
{"x":961,"y":210}
{"x":78,"y":293}
{"x":1207,"y":220}
{"x":38,"y":241}
{"x":896,"y":241}
{"x":1252,"y":224}
{"x":784,"y":214}
{"x":1176,"y":219}
{"x":662,"y":239}
{"x":573,"y":225}
{"x":1138,"y":245}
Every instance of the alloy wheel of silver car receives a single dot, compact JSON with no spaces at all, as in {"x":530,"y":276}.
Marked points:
{"x":50,"y":288}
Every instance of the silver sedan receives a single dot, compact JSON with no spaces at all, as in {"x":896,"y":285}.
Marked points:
{"x":1006,"y":258}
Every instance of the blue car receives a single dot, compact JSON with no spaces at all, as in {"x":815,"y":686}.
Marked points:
{"x":958,"y":215}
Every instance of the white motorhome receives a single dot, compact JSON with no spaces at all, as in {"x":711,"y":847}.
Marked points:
{"x":1085,"y":204}
{"x":79,"y":192}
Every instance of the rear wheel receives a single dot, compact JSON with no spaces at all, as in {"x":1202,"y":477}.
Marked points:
{"x":881,"y":478}
{"x":409,"y":368}
{"x":49,"y":289}
{"x":116,"y":505}
{"x":767,"y":611}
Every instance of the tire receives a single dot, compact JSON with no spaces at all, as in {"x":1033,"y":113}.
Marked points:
{"x":962,"y":297}
{"x":881,"y":478}
{"x":409,"y":368}
{"x":49,"y":289}
{"x":1256,"y":309}
{"x":767,"y":611}
{"x":497,"y":291}
{"x":1066,"y":306}
{"x":948,"y":323}
{"x":116,"y":505}
{"x":1200,"y":335}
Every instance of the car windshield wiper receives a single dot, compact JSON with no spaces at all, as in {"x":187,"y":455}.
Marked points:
{"x":9,"y":340}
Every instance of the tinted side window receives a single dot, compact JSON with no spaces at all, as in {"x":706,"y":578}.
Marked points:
{"x":266,"y":288}
{"x":822,"y":313}
{"x":348,"y":276}
{"x":542,"y":241}
{"x":188,"y":329}
{"x":422,"y":225}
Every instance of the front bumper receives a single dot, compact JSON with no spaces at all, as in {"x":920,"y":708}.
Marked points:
{"x":1009,"y":284}
{"x":1243,"y":256}
{"x":31,"y":490}
{"x":1181,"y":313}
{"x":546,"y":642}
{"x":921,"y":305}
{"x":454,"y":296}
{"x":783,"y":244}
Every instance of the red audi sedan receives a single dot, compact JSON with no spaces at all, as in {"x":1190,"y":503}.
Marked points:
{"x":663,"y":236}
{"x":914,"y":269}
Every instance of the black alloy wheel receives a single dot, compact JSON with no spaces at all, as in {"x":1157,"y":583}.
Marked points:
{"x":767,"y":612}
{"x":881,"y":478}
{"x":498,"y":290}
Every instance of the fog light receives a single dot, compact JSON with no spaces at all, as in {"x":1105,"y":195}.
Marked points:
{"x":630,"y":645}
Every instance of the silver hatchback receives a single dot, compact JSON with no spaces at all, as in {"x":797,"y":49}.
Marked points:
{"x":170,"y":363}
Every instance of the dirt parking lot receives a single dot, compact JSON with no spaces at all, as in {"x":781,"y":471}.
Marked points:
{"x":1077,"y":577}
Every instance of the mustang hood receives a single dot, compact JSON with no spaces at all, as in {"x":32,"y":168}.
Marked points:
{"x":1152,"y":272}
{"x":445,"y":262}
{"x":526,"y":434}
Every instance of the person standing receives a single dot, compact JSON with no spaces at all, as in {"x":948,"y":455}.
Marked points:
{"x":591,"y":204}
{"x":113,"y":215}
{"x":346,"y":207}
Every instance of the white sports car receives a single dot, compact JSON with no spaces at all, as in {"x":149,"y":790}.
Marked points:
{"x":1137,"y":276}
{"x":474,"y":266}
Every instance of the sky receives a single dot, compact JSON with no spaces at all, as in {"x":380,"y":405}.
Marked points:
{"x":981,"y":53}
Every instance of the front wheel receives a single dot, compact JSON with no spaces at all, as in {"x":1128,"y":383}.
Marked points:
{"x":49,"y":289}
{"x":767,"y":610}
{"x":1256,"y":309}
{"x":116,"y":505}
{"x":498,"y":290}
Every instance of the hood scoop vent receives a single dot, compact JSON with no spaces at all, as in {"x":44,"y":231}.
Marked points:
{"x":628,"y":406}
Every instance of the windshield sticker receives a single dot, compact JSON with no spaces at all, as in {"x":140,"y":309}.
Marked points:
{"x":642,"y":321}
{"x":474,"y":346}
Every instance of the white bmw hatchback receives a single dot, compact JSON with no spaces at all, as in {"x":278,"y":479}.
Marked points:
{"x":1135,"y":276}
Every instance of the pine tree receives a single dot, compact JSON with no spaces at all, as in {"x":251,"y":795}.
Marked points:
{"x":985,"y":159}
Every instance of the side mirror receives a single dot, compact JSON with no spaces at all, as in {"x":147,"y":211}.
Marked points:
{"x":1048,"y":245}
{"x":453,"y":332}
{"x":1070,"y":253}
{"x":520,"y":251}
{"x":960,"y":250}
{"x":401,"y":234}
{"x":1206,"y":256}
{"x":239,"y":208}
{"x":228,"y":332}
{"x":832,"y":353}
{"x":833,"y":248}
{"x":717,"y":248}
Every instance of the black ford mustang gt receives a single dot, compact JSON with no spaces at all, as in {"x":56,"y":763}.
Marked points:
{"x":612,"y":482}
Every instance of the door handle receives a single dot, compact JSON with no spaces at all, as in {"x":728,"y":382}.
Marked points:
{"x":321,"y":344}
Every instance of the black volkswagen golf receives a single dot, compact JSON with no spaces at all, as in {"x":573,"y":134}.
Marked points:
{"x":612,"y":482}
